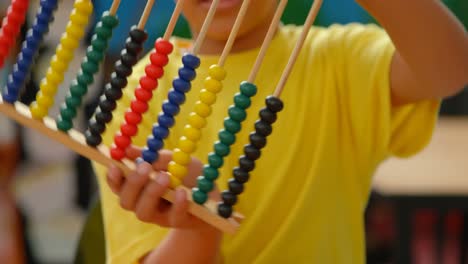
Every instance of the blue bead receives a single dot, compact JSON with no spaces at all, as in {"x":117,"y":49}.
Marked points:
{"x":32,"y":43}
{"x":160,"y":132}
{"x":23,"y":65}
{"x":19,"y":76}
{"x":43,"y":19}
{"x":149,"y":156}
{"x":181,"y":85}
{"x":154,"y":144}
{"x":10,"y":98}
{"x":170,"y":108}
{"x":49,"y":4}
{"x":191,"y":61}
{"x":176,"y":97}
{"x":166,"y":120}
{"x":187,"y":74}
{"x":39,"y":30}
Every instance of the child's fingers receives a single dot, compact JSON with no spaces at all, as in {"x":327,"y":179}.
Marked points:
{"x":133,"y":152}
{"x":133,"y":186}
{"x":114,"y":179}
{"x":178,"y":215}
{"x":165,"y":156}
{"x":148,"y":207}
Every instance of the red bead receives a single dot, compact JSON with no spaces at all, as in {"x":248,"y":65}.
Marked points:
{"x":129,"y":130}
{"x":148,"y":83}
{"x":159,"y":59}
{"x":154,"y":71}
{"x":117,"y":153}
{"x":122,"y":141}
{"x":163,"y":46}
{"x":20,"y":5}
{"x":10,"y":28}
{"x":132,"y":118}
{"x":143,"y":95}
{"x":139,"y":106}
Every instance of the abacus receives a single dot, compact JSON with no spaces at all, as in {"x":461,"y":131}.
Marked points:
{"x":219,"y":215}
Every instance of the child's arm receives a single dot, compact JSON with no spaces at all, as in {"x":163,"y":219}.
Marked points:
{"x":431,"y":60}
{"x":190,"y":240}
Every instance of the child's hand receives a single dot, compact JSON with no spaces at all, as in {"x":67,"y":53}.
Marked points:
{"x":142,"y":195}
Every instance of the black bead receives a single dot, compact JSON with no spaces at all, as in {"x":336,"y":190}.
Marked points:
{"x":235,"y":186}
{"x":257,"y":140}
{"x":246,"y":164}
{"x":103,"y":117}
{"x":229,"y":198}
{"x":128,"y":58}
{"x":267,"y":115}
{"x":252,"y":152}
{"x":92,"y":139}
{"x":263,"y":128}
{"x":241,"y":175}
{"x":107,"y":105}
{"x":224,"y":210}
{"x":123,"y":70}
{"x":113,"y":93}
{"x":133,"y":47}
{"x":274,"y":104}
{"x":138,"y":35}
{"x":118,"y":81}
{"x":96,"y":127}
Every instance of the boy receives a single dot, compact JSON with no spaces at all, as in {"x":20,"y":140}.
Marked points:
{"x":352,"y":100}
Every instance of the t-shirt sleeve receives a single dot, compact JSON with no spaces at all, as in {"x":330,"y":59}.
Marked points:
{"x":365,"y":53}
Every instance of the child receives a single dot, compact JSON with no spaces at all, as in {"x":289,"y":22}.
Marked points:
{"x":355,"y":97}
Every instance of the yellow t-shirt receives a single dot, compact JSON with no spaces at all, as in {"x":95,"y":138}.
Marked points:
{"x":306,"y":197}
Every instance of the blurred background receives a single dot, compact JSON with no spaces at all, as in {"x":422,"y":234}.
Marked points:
{"x":417,"y":212}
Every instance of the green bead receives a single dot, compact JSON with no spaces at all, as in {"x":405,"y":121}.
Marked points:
{"x":98,"y":44}
{"x":73,"y":101}
{"x":68,"y":113}
{"x":231,"y":125}
{"x":109,"y":20}
{"x":210,"y":173}
{"x":226,"y":137}
{"x":89,"y":67}
{"x":221,"y":149}
{"x":64,"y":125}
{"x":103,"y":32}
{"x":198,"y":196}
{"x":237,"y":114}
{"x":215,"y":161}
{"x":204,"y":184}
{"x":248,"y":89}
{"x":242,"y":101}
{"x":78,"y":89}
{"x":85,"y":78}
{"x":94,"y":55}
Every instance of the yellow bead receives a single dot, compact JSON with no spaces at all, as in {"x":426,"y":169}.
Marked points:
{"x":68,"y":42}
{"x":58,"y":65}
{"x":207,"y":97}
{"x":186,"y":145}
{"x":54,"y":77}
{"x":192,"y":133}
{"x":84,"y":6}
{"x":44,"y":100}
{"x":202,"y":109}
{"x":196,"y":121}
{"x":177,"y":170}
{"x":47,"y":87}
{"x":64,"y":54}
{"x":181,"y":157}
{"x":78,"y":18}
{"x":213,"y":85}
{"x":38,"y":112}
{"x":217,"y":72}
{"x":174,"y":182}
{"x":75,"y":30}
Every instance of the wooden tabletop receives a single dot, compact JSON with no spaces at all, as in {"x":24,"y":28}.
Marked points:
{"x":440,"y":169}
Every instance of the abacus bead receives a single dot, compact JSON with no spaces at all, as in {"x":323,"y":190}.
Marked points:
{"x":122,"y":141}
{"x":64,"y":125}
{"x":226,"y":137}
{"x":118,"y":81}
{"x":263,"y":128}
{"x":103,"y":117}
{"x":181,"y":85}
{"x":166,"y":120}
{"x":210,"y":173}
{"x":186,"y":145}
{"x":240,"y":175}
{"x":252,"y":152}
{"x":213,"y":85}
{"x":274,"y":104}
{"x":85,"y":78}
{"x":217,"y":72}
{"x":78,"y":89}
{"x":257,"y":140}
{"x":132,"y":118}
{"x":176,"y":97}
{"x":117,"y":153}
{"x":237,"y":114}
{"x":231,"y":125}
{"x":248,"y":89}
{"x":96,"y":127}
{"x":94,"y":55}
{"x":246,"y":164}
{"x":204,"y":184}
{"x":242,"y":101}
{"x":202,"y":109}
{"x":143,"y":95}
{"x":44,"y":100}
{"x":170,"y":108}
{"x":187,"y":74}
{"x":192,"y":133}
{"x":72,"y":101}
{"x":155,"y":143}
{"x":191,"y":61}
{"x":107,"y":105}
{"x":267,"y":115}
{"x":98,"y":44}
{"x":224,"y":210}
{"x":236,"y":187}
{"x":38,"y":112}
{"x":149,"y":156}
{"x":154,"y":72}
{"x":133,"y":47}
{"x":127,"y":58}
{"x":68,"y":113}
{"x":215,"y":161}
{"x":160,"y":132}
{"x":177,"y":170}
{"x":89,"y":67}
{"x":113,"y":94}
{"x":103,"y":32}
{"x":229,"y":198}
{"x":122,"y":69}
{"x":138,"y":35}
{"x":207,"y":97}
{"x":10,"y":98}
{"x":196,"y":121}
{"x":92,"y":139}
{"x":129,"y":130}
{"x":159,"y":59}
{"x":58,"y":65}
{"x":139,"y":106}
{"x":109,"y":20}
{"x":181,"y":157}
{"x":199,"y":197}
{"x":163,"y":46}
{"x":221,"y":149}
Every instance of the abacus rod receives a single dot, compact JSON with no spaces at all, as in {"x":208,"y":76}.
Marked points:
{"x":297,"y":49}
{"x":205,"y":27}
{"x":113,"y":9}
{"x":146,"y":14}
{"x":172,"y":23}
{"x":266,"y":42}
{"x":234,"y":32}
